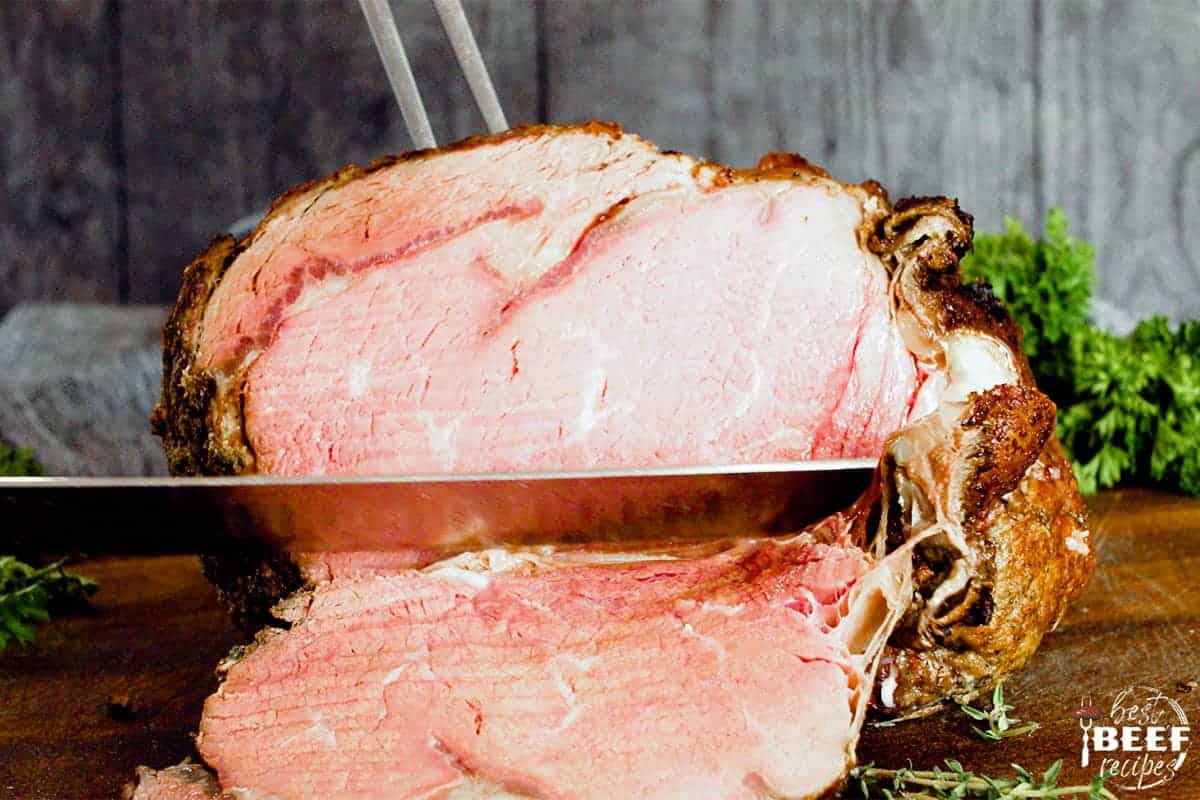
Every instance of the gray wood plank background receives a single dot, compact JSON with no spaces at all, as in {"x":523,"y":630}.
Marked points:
{"x":132,"y":131}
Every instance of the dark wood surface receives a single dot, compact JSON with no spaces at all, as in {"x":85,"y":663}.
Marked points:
{"x":131,"y":132}
{"x":156,"y":634}
{"x":154,"y":637}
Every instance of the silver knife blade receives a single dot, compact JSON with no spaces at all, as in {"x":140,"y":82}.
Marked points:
{"x":449,"y":513}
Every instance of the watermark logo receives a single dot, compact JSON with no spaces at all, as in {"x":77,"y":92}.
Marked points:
{"x":1141,"y":739}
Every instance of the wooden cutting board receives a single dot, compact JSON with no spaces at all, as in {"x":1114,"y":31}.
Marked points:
{"x":99,"y":694}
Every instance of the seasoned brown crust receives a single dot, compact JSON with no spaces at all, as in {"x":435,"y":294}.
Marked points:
{"x":1033,"y":577}
{"x":185,"y":780}
{"x":251,"y":581}
{"x":790,"y":162}
{"x":188,"y":418}
{"x":1021,"y":504}
{"x":931,"y":252}
{"x":1014,"y":423}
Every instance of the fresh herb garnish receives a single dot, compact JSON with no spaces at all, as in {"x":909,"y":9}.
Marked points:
{"x":1129,"y":406}
{"x":1134,"y":411}
{"x":956,"y":783}
{"x":15,"y":462}
{"x":26,"y":594}
{"x":999,"y":724}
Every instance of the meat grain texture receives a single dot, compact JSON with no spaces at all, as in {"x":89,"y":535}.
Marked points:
{"x":573,"y":298}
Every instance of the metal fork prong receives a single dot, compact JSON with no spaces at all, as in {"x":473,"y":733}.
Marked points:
{"x":470,"y":59}
{"x":400,"y":75}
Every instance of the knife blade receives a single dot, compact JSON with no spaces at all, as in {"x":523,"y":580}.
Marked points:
{"x":448,"y":513}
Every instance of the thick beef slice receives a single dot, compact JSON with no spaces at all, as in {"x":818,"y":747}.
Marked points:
{"x":739,"y":674}
{"x":456,"y":369}
{"x":558,"y":298}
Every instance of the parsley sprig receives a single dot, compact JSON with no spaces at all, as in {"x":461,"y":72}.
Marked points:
{"x":18,"y":461}
{"x":1129,"y":406}
{"x":956,"y":783}
{"x":1135,"y":406}
{"x":999,"y":724}
{"x":27,"y":593}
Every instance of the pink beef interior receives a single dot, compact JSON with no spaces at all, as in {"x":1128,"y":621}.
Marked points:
{"x":739,"y":674}
{"x":509,"y":318}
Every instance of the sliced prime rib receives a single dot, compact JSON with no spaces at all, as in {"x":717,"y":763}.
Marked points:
{"x":550,"y":299}
{"x":563,"y":298}
{"x":526,"y":674}
{"x":510,"y":674}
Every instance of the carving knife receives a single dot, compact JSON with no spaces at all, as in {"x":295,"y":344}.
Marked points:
{"x":448,"y":513}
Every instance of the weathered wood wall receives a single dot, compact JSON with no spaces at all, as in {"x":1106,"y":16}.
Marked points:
{"x":131,"y":131}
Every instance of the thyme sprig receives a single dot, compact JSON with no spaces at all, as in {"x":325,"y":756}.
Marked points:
{"x":956,"y":783}
{"x":999,"y":724}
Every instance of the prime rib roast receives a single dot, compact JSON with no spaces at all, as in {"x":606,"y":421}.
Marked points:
{"x":572,"y":298}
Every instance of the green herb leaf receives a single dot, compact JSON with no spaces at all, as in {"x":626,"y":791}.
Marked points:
{"x":27,"y":593}
{"x":1128,"y":407}
{"x":17,"y":462}
{"x":974,"y":713}
{"x":999,"y":724}
{"x":1050,"y":779}
{"x":959,"y":784}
